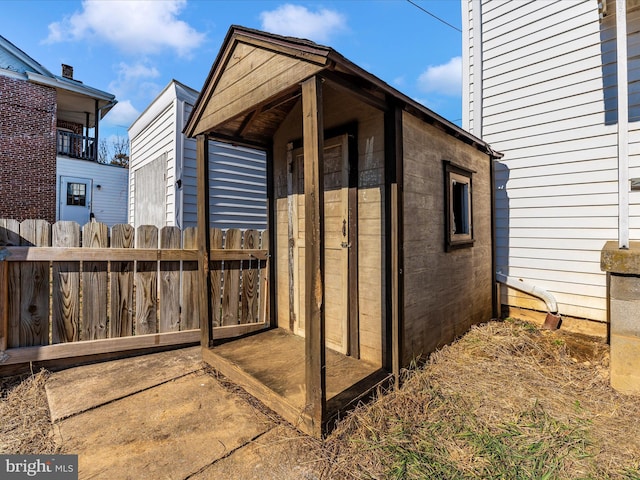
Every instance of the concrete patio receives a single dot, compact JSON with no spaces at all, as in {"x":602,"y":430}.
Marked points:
{"x":163,"y":416}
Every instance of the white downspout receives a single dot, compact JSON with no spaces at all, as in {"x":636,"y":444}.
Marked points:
{"x":477,"y":69}
{"x":541,"y":293}
{"x":623,"y":124}
{"x":553,"y":319}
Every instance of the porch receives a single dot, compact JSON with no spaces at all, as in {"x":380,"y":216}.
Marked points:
{"x":270,"y":365}
{"x":75,"y":145}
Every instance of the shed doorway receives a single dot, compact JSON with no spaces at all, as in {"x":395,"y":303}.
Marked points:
{"x":337,"y":230}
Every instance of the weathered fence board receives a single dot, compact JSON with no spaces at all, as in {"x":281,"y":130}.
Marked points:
{"x":190,"y":313}
{"x":249,"y":299}
{"x":10,"y":237}
{"x":170,"y":237}
{"x":146,"y":282}
{"x":231,"y":281}
{"x":72,"y":291}
{"x":215,"y":274}
{"x":66,"y":286}
{"x":121,"y":322}
{"x":263,"y":288}
{"x":94,"y":281}
{"x":33,"y":320}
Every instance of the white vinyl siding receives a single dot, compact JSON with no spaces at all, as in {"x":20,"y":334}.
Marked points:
{"x":237,"y":175}
{"x":109,"y":202}
{"x":154,"y":141}
{"x":548,"y":95}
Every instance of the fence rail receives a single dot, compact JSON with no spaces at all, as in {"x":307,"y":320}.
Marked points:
{"x":67,"y":290}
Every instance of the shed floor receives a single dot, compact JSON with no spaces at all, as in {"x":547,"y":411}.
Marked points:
{"x":271,"y":366}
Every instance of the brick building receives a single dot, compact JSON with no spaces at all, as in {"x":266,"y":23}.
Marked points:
{"x":44,"y":119}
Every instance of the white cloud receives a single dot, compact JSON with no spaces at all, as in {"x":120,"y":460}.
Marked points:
{"x":139,"y":70}
{"x":298,"y":21}
{"x":445,"y":79}
{"x":133,"y":26}
{"x":134,"y":78}
{"x":399,"y":81}
{"x":122,"y":115}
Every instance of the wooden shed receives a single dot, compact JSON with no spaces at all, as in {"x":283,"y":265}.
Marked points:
{"x":380,"y":225}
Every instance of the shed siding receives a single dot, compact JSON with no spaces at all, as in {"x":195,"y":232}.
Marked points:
{"x":109,"y":203}
{"x":444,"y":292}
{"x":549,"y":98}
{"x":236,"y":90}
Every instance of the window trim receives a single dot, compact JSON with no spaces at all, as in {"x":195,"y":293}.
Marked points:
{"x":453,"y":173}
{"x":79,"y":199}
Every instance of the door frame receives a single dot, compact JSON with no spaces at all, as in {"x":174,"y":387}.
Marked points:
{"x":62,"y":195}
{"x":352,"y":310}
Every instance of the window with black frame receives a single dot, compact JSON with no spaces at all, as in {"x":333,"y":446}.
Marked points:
{"x":77,"y":194}
{"x":458,"y":207}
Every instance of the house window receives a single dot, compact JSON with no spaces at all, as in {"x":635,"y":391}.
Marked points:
{"x":459,"y":212}
{"x":77,"y":194}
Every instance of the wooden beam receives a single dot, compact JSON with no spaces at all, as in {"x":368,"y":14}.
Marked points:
{"x":341,"y":83}
{"x":354,"y":308}
{"x":248,"y":122}
{"x":312,"y":128}
{"x":393,"y":335}
{"x":4,"y":304}
{"x":202,"y":172}
{"x":292,"y":224}
{"x":73,"y":254}
{"x":96,"y":347}
{"x":271,"y":307}
{"x":69,"y":254}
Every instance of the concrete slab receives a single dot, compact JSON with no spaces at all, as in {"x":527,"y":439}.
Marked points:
{"x":81,"y":388}
{"x":170,"y":431}
{"x":280,"y":454}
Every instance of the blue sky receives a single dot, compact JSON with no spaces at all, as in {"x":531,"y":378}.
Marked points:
{"x":133,"y":48}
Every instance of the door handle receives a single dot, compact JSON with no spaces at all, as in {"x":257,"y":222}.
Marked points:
{"x":344,"y":228}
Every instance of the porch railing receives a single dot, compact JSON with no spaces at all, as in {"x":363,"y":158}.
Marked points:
{"x":76,"y":146}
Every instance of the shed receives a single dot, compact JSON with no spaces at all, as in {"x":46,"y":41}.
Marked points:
{"x":380,"y":224}
{"x":162,"y":178}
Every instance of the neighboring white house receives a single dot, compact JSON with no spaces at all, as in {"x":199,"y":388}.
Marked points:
{"x":88,"y":189}
{"x":162,"y":171}
{"x":540,"y":85}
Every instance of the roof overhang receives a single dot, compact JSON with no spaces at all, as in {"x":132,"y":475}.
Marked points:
{"x":76,"y":101}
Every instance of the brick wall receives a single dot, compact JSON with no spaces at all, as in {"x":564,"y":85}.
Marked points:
{"x":27,"y":150}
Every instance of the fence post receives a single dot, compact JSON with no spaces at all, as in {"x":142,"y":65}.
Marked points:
{"x":4,"y":300}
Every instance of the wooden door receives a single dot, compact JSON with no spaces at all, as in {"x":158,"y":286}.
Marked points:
{"x":336,"y":242}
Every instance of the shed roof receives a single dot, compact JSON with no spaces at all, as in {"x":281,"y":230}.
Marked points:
{"x":254,"y":83}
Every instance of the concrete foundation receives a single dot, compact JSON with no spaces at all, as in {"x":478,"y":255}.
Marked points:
{"x":623,"y":269}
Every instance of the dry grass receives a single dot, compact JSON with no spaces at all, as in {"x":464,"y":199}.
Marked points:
{"x":505,"y":401}
{"x":26,"y":424}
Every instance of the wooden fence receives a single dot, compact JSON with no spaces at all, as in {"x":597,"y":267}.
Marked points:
{"x":67,"y":291}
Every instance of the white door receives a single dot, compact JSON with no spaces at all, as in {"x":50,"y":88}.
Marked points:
{"x":75,"y":199}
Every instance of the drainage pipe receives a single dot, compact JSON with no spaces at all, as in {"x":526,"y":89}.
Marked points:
{"x":553,"y":317}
